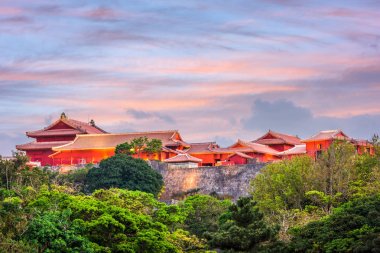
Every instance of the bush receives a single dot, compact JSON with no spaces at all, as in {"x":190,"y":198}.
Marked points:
{"x":123,"y":171}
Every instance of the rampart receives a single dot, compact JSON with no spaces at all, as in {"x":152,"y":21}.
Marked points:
{"x":224,"y":181}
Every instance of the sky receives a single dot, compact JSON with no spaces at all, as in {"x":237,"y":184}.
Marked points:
{"x":215,"y":70}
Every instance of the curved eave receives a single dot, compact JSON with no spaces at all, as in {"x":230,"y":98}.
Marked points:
{"x":35,"y":135}
{"x":78,"y":149}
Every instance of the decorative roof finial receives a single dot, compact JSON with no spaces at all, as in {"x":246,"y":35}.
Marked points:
{"x":63,"y":116}
{"x":92,"y":122}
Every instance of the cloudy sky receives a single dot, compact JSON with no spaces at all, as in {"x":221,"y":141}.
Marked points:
{"x":215,"y":70}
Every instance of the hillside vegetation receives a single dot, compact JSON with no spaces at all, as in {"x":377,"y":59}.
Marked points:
{"x":299,"y":205}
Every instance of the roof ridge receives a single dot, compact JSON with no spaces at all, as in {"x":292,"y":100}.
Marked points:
{"x":109,"y":134}
{"x":330,"y":131}
{"x":207,"y":142}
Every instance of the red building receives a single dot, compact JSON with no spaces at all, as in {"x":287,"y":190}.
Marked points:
{"x":92,"y":148}
{"x":72,"y":142}
{"x":243,"y":152}
{"x":278,"y":141}
{"x":239,"y":153}
{"x":321,"y":141}
{"x":204,"y":151}
{"x":59,"y":133}
{"x":297,"y":150}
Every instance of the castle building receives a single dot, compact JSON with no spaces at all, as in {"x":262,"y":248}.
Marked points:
{"x":72,"y":142}
{"x":92,"y":148}
{"x":278,"y":141}
{"x":321,"y":141}
{"x":59,"y":133}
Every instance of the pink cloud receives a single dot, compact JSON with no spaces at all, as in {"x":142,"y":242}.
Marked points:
{"x":10,"y":11}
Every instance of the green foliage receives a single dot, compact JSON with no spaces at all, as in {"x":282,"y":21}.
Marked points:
{"x":353,"y":227}
{"x":53,"y":231}
{"x":203,"y":213}
{"x":328,"y":205}
{"x":139,"y":145}
{"x":297,"y":191}
{"x":74,"y":178}
{"x":124,"y":148}
{"x":186,"y":242}
{"x":334,"y":170}
{"x":282,"y":186}
{"x":153,"y":146}
{"x":125,"y":172}
{"x":242,"y":228}
{"x":17,"y":179}
{"x":112,"y":220}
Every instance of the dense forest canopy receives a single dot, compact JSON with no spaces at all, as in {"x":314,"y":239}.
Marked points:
{"x":331,"y":204}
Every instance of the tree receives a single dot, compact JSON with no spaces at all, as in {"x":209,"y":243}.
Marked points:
{"x":125,"y":172}
{"x":283,"y":185}
{"x":124,"y":148}
{"x":242,"y":228}
{"x":15,"y":174}
{"x":280,"y":191}
{"x":335,"y":170}
{"x":138,"y":146}
{"x":102,"y":222}
{"x":203,"y":213}
{"x":153,"y":146}
{"x":53,"y":231}
{"x":353,"y":227}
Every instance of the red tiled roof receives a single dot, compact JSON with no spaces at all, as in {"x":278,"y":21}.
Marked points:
{"x":54,"y":132}
{"x":328,"y":135}
{"x":361,"y":142}
{"x":201,"y":148}
{"x":247,"y":147}
{"x":169,"y":150}
{"x":241,"y":155}
{"x":279,"y":139}
{"x":296,"y":150}
{"x":78,"y":127}
{"x":105,"y":141}
{"x":40,"y":145}
{"x":182,"y":158}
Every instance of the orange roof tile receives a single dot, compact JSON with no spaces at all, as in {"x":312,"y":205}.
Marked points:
{"x":243,"y":146}
{"x":279,"y":139}
{"x":106,"y":141}
{"x":78,"y":127}
{"x":182,"y":158}
{"x":328,"y":135}
{"x":241,"y":155}
{"x":202,"y":147}
{"x":40,"y":145}
{"x":296,"y":150}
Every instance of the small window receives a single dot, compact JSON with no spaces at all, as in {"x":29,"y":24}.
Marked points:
{"x":319,"y":146}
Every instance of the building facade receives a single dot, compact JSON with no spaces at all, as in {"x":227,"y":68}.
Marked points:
{"x":59,"y":133}
{"x":71,"y":142}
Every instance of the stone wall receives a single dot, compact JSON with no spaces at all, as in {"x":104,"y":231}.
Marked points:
{"x":226,"y":181}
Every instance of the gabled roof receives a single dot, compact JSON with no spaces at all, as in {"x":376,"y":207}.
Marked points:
{"x":109,"y":141}
{"x":296,"y":150}
{"x":73,"y":127}
{"x":243,"y":146}
{"x":361,"y":142}
{"x":202,"y":147}
{"x":277,"y":138}
{"x":241,"y":155}
{"x":40,"y":145}
{"x":328,"y":135}
{"x":183,"y":158}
